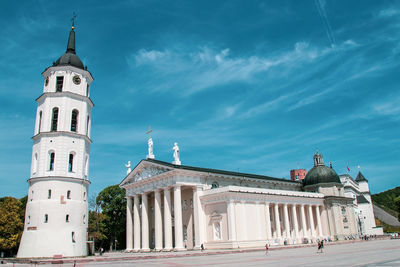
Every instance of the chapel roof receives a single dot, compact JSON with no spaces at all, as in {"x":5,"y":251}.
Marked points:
{"x":360,"y":177}
{"x":321,"y":174}
{"x":362,"y":200}
{"x":222,"y":172}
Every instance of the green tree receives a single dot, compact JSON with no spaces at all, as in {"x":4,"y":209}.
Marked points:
{"x":11,"y":224}
{"x":97,"y":228}
{"x":113,"y":205}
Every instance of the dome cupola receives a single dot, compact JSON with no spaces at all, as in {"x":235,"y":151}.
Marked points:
{"x":321,"y":174}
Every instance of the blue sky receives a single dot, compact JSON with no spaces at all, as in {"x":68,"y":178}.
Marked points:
{"x":249,"y":86}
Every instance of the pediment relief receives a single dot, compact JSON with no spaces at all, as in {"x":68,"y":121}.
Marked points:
{"x":145,"y":173}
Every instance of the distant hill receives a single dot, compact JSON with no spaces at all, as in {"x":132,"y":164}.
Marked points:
{"x":389,"y":201}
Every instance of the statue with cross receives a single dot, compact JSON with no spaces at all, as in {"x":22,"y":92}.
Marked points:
{"x":150,"y":155}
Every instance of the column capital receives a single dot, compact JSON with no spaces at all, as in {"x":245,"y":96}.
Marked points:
{"x":285,"y":205}
{"x":267,"y":203}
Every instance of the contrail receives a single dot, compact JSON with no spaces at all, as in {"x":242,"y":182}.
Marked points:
{"x":327,"y":25}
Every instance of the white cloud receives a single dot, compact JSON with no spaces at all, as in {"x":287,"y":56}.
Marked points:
{"x":390,"y":12}
{"x":206,"y":67}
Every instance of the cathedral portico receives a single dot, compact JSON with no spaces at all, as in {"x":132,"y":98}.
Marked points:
{"x":184,"y":207}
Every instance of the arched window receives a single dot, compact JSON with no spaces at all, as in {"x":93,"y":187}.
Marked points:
{"x":40,"y":121}
{"x":35,"y":163}
{"x":46,"y":218}
{"x":74,"y":120}
{"x":52,"y":158}
{"x":70,"y":162}
{"x":73,"y":237}
{"x":49,"y":194}
{"x":69,"y":194}
{"x":54,"y":120}
{"x":214,"y":185}
{"x":87,"y":126}
{"x":87,"y":166}
{"x":67,"y":218}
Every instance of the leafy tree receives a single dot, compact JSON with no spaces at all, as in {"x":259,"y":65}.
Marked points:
{"x":11,"y":224}
{"x":113,"y":205}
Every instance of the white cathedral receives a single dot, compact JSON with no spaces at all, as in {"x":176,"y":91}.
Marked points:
{"x":178,"y":207}
{"x":56,"y":217}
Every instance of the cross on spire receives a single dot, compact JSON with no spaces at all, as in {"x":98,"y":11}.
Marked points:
{"x":73,"y":20}
{"x":149,"y":131}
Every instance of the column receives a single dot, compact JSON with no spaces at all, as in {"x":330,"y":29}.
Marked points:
{"x":295,"y":223}
{"x":244,"y":220}
{"x":268,"y":221}
{"x":286,"y":218}
{"x":231,"y":220}
{"x":167,"y":220}
{"x":145,"y":223}
{"x":303,"y":221}
{"x":129,"y":219}
{"x":260,"y":233}
{"x":136,"y":223}
{"x":277,"y":222}
{"x":178,"y":218}
{"x":197,"y":217}
{"x":319,"y":221}
{"x":310,"y":215}
{"x":157,"y":220}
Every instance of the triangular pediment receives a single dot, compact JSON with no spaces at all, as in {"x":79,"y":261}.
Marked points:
{"x":144,"y":170}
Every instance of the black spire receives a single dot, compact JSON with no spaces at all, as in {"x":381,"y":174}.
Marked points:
{"x":71,"y":41}
{"x":360,"y":177}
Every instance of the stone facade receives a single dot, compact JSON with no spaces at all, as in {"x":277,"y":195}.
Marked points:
{"x":181,"y":207}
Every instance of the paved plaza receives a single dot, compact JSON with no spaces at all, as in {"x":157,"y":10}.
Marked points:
{"x":364,"y":253}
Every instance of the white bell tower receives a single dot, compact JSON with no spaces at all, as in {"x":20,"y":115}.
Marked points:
{"x":56,"y":217}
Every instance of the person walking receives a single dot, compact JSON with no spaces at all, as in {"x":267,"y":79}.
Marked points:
{"x":266,"y":249}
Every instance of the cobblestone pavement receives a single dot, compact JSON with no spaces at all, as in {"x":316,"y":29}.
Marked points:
{"x":365,"y":253}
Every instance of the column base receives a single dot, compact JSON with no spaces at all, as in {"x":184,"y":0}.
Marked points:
{"x":167,"y":249}
{"x":145,"y":250}
{"x":180,"y":249}
{"x":136,"y":250}
{"x":197,"y":248}
{"x":128,"y":250}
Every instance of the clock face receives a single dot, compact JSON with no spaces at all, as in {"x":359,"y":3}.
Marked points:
{"x":76,"y":80}
{"x":46,"y":82}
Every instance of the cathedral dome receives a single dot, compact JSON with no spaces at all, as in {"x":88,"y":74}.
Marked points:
{"x":320,"y":174}
{"x":70,"y":58}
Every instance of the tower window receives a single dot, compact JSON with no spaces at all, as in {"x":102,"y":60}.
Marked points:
{"x":69,"y":194}
{"x":87,"y":90}
{"x":84,"y":219}
{"x":40,"y":121}
{"x":59,"y":83}
{"x":46,"y":218}
{"x":74,"y":120}
{"x":52,"y":157}
{"x":35,"y":163}
{"x":54,"y":120}
{"x":49,"y":194}
{"x":70,"y":162}
{"x":87,"y":126}
{"x":67,"y":218}
{"x":73,"y":237}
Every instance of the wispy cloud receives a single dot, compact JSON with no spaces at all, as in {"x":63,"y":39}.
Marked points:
{"x":206,"y":68}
